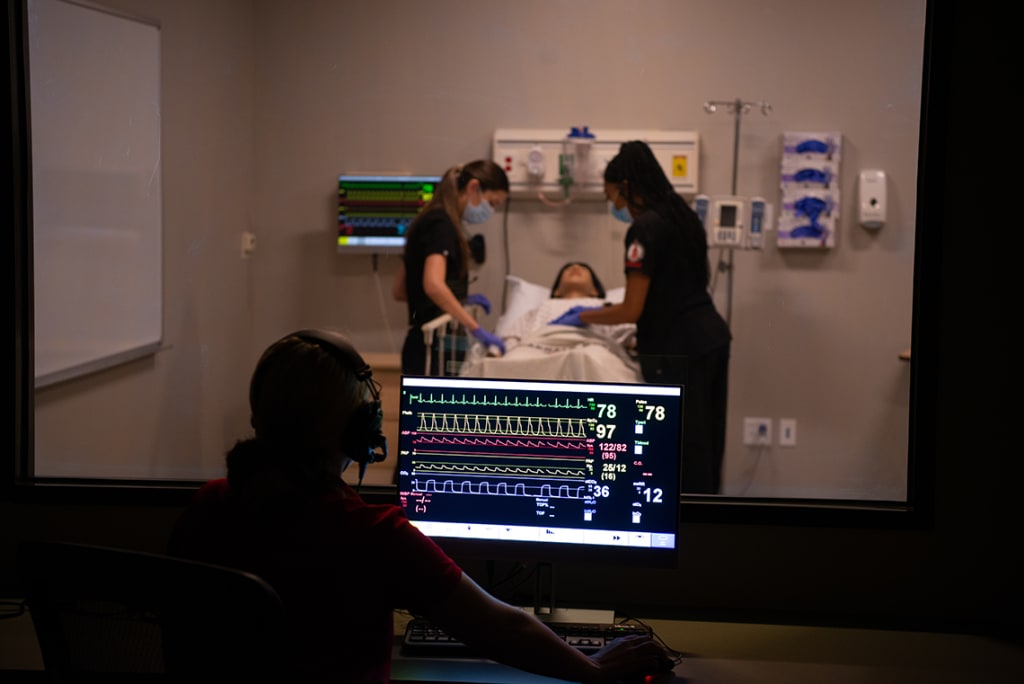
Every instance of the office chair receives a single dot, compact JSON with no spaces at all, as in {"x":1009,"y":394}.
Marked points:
{"x":137,"y":616}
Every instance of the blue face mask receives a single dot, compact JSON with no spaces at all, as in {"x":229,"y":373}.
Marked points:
{"x":478,"y":214}
{"x":621,"y":214}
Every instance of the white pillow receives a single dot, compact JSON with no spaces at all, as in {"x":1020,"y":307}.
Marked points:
{"x":522,"y":296}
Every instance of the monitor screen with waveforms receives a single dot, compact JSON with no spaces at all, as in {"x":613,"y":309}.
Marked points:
{"x":375,"y":211}
{"x":542,"y":470}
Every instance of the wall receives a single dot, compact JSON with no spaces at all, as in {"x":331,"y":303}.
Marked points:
{"x":961,"y":570}
{"x":266,"y":103}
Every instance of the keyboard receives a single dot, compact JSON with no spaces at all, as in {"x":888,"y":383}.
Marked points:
{"x":422,"y":638}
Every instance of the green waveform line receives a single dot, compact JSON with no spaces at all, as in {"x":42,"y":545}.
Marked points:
{"x":495,"y":401}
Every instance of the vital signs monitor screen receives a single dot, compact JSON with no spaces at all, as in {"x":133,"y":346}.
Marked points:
{"x":375,"y":211}
{"x":567,"y":466}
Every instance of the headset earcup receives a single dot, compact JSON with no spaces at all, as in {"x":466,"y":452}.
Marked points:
{"x":362,"y":440}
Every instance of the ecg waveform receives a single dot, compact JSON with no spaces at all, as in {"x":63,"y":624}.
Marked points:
{"x":501,"y":442}
{"x":495,"y":401}
{"x":484,"y":424}
{"x":554,"y":491}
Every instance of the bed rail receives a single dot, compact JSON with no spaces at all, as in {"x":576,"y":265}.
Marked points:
{"x":452,"y":342}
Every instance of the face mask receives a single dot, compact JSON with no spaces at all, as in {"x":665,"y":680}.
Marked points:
{"x":621,"y":214}
{"x":479,"y":213}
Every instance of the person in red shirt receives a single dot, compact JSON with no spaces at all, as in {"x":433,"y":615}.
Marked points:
{"x":341,"y":565}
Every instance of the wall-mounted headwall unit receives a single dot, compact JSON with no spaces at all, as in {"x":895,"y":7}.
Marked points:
{"x":569,"y":162}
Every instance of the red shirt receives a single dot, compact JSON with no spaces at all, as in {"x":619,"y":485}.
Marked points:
{"x":340,"y":565}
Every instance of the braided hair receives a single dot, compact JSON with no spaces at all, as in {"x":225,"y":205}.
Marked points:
{"x":642,"y":182}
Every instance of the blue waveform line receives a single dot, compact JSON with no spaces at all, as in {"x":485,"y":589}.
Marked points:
{"x":552,"y":491}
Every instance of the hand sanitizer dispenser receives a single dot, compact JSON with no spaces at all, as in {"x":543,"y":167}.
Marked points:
{"x":872,"y":199}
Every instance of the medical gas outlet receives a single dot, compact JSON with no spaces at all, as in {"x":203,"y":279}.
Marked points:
{"x":569,"y":162}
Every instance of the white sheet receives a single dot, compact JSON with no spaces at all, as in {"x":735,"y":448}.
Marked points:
{"x":541,"y":351}
{"x":536,"y":320}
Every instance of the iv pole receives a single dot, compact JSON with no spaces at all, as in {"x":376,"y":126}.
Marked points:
{"x":737,"y":108}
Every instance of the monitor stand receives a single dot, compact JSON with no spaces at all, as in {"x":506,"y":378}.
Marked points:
{"x":551,"y":612}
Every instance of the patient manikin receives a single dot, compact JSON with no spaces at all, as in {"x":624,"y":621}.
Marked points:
{"x":575,"y":285}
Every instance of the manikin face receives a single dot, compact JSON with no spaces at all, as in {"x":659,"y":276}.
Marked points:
{"x":576,"y":281}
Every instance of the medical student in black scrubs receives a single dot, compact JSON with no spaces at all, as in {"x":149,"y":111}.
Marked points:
{"x":681,"y":337}
{"x":434,"y":275}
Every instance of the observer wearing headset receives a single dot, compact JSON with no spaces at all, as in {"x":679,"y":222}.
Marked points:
{"x":339,"y":564}
{"x":433,"y":278}
{"x":681,"y":337}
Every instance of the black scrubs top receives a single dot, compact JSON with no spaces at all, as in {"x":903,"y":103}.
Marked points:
{"x":679,"y":319}
{"x":435,"y":234}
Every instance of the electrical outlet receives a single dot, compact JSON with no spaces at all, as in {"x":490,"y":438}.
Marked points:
{"x":757,"y":431}
{"x":787,"y":431}
{"x":248,"y":244}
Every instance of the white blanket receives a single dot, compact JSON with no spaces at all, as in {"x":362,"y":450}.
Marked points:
{"x":558,"y":352}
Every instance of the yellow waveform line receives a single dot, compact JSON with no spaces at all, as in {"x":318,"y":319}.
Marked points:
{"x":503,"y":470}
{"x":477,"y":423}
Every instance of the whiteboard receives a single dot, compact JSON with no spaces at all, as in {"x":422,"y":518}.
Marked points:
{"x":94,"y":79}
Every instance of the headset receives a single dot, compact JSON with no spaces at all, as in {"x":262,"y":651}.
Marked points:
{"x":363,"y":440}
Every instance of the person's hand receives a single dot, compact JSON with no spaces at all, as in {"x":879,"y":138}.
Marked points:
{"x":488,"y":339}
{"x":632,"y":658}
{"x":572,"y":316}
{"x":479,"y":300}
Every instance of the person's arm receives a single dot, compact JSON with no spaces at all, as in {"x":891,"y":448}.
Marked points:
{"x":512,"y":636}
{"x":629,"y":310}
{"x":398,"y":290}
{"x":435,"y":287}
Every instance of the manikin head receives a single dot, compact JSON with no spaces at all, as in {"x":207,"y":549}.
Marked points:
{"x":577,"y":279}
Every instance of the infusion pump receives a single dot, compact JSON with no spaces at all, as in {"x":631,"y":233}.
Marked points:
{"x":732,"y":221}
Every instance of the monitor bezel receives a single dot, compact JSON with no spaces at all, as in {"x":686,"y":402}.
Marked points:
{"x":547,"y":552}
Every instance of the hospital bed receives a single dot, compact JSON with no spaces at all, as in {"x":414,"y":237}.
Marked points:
{"x":537,"y":350}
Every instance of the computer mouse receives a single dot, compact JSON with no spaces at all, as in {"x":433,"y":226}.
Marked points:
{"x":661,"y":672}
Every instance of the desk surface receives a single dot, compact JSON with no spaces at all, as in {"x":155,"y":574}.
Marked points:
{"x":737,"y":653}
{"x":722,"y":653}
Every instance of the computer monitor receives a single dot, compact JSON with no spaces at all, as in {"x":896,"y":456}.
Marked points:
{"x":375,"y":211}
{"x":542,"y":470}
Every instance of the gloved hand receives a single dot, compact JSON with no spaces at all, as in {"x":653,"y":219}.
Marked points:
{"x":488,"y":339}
{"x":572,"y":316}
{"x":479,"y":300}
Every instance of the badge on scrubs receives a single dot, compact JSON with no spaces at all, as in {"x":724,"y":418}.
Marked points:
{"x":634,"y":255}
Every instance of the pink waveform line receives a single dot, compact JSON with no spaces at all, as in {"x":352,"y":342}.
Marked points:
{"x":572,"y":443}
{"x":571,"y":457}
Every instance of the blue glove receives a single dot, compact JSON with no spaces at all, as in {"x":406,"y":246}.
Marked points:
{"x":479,"y":300}
{"x":489,"y":339}
{"x":572,"y":316}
